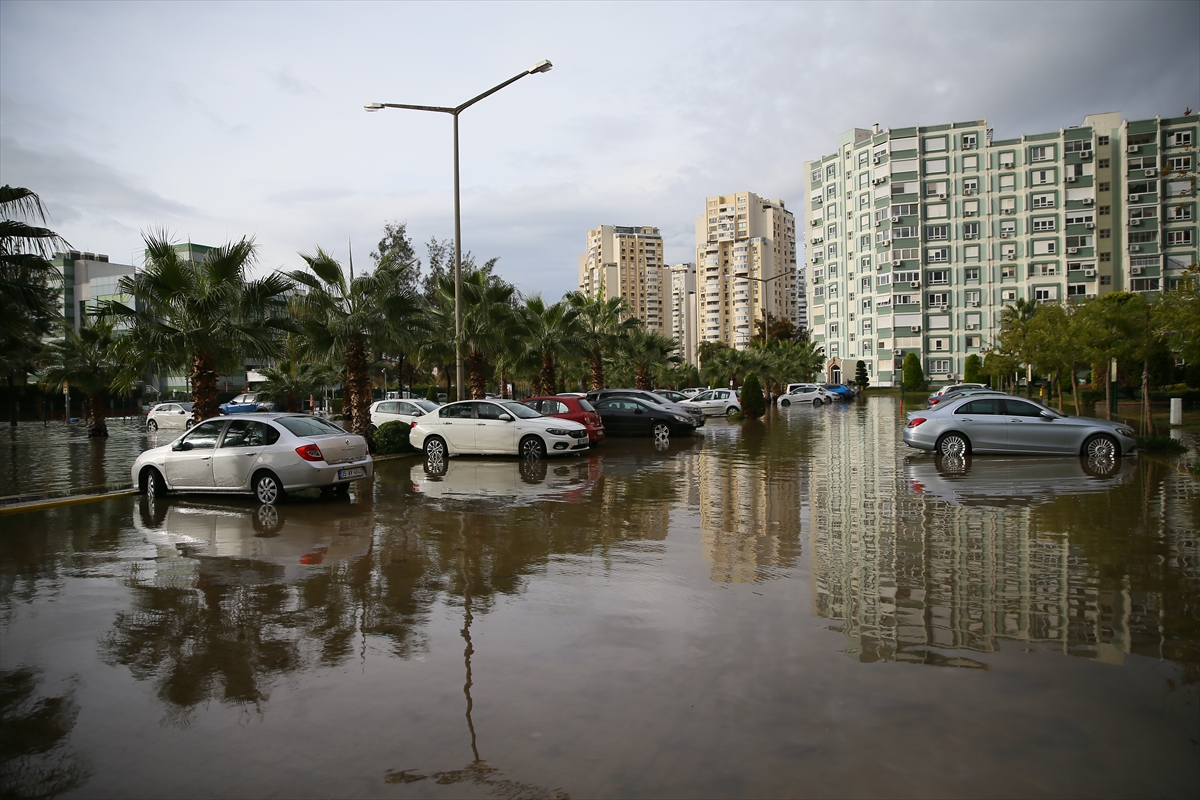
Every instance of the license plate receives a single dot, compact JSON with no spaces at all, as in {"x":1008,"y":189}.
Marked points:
{"x":353,"y":472}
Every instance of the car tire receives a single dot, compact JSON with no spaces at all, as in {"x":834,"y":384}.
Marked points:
{"x":435,"y":448}
{"x":151,"y":483}
{"x":817,"y":403}
{"x":372,"y":430}
{"x":151,"y":426}
{"x":661,"y":431}
{"x":953,"y":443}
{"x":732,"y":410}
{"x":1101,"y":447}
{"x":785,"y":402}
{"x":828,"y":400}
{"x":267,"y":488}
{"x":188,"y":425}
{"x":532,"y":447}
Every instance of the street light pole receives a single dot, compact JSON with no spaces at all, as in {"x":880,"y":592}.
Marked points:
{"x":541,"y":66}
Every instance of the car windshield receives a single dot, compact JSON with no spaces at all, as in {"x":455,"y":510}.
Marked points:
{"x":188,"y":406}
{"x":309,"y":426}
{"x":425,"y":405}
{"x":585,"y":405}
{"x":520,"y":411}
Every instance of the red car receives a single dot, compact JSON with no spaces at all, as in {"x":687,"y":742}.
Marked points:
{"x":576,"y":409}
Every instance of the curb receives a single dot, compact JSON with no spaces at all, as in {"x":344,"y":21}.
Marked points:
{"x":38,"y":505}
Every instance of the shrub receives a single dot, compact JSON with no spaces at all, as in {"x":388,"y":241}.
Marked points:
{"x":861,"y":379}
{"x":392,"y":437}
{"x":432,"y":394}
{"x":973,"y":369}
{"x":914,"y":376}
{"x":753,"y":403}
{"x":1091,"y":396}
{"x":1153,"y":443}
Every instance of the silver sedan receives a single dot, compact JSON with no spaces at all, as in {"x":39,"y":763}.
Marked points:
{"x":1003,"y":424}
{"x":267,"y":455}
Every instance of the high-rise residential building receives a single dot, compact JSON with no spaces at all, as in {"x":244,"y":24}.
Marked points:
{"x":628,"y":262}
{"x":683,"y":328}
{"x":88,"y":280}
{"x":919,"y":237}
{"x":746,"y":267}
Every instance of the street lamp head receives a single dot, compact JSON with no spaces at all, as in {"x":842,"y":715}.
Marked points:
{"x":372,"y":106}
{"x":541,"y":66}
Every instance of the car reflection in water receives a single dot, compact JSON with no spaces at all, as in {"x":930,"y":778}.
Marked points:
{"x":515,"y":483}
{"x":1012,"y":481}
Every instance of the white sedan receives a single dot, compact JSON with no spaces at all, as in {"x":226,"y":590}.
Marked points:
{"x":267,"y":455}
{"x":805,"y":394}
{"x":716,"y":401}
{"x":495,"y":426}
{"x":169,"y":415}
{"x":399,"y":411}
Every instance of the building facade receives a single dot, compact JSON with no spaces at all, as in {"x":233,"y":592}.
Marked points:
{"x":683,"y":328}
{"x":746,"y":267}
{"x":919,"y":237}
{"x":628,"y":262}
{"x":88,"y":280}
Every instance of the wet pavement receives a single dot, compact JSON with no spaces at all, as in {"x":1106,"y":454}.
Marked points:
{"x":805,"y":607}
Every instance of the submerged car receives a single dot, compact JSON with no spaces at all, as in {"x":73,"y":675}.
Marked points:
{"x":248,"y":403}
{"x":573,"y":407}
{"x":956,"y":387}
{"x":1002,"y":424}
{"x":806,"y":393}
{"x":170,"y":415}
{"x":840,"y":391}
{"x":649,"y":397}
{"x":716,"y":401}
{"x":500,"y":427}
{"x":266,"y":455}
{"x":632,"y":416}
{"x":384,"y":411}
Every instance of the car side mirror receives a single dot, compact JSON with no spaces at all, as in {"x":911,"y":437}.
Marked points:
{"x":183,"y":446}
{"x":637,"y":410}
{"x":505,"y":418}
{"x":1048,"y":415}
{"x":418,"y":413}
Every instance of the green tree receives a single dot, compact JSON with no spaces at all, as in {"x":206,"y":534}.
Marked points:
{"x":396,"y":249}
{"x":602,"y":322}
{"x":861,"y":379}
{"x":754,"y":405}
{"x":973,"y":369}
{"x":549,"y":336}
{"x":86,"y":359}
{"x":489,"y":320}
{"x":1120,"y":325}
{"x":1014,"y":340}
{"x":1056,"y":345}
{"x":294,"y":378}
{"x":914,"y":376}
{"x":344,"y":318}
{"x":642,"y":351}
{"x":198,"y":318}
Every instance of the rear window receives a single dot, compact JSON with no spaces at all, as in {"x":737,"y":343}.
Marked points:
{"x":585,"y":405}
{"x":520,"y":410}
{"x":309,"y":426}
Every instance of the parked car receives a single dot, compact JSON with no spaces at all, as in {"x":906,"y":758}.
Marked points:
{"x":632,"y":416}
{"x":399,"y":411}
{"x":935,"y":400}
{"x":838,"y":391}
{"x":502,"y":427}
{"x":717,"y":401}
{"x":649,"y":397}
{"x":248,"y":403}
{"x":672,"y":396}
{"x":170,"y":415}
{"x":1002,"y":424}
{"x":693,"y":390}
{"x":805,"y":393}
{"x":576,"y":409}
{"x":956,"y":387}
{"x":267,"y":455}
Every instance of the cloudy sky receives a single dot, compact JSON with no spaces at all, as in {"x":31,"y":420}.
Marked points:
{"x":217,"y":120}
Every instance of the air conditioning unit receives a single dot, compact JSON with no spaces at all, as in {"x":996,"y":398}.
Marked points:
{"x":967,"y":192}
{"x":1135,"y":270}
{"x":878,"y":222}
{"x":1004,"y":234}
{"x":876,"y":159}
{"x":1007,"y":164}
{"x":879,"y":266}
{"x":1150,"y":173}
{"x":1134,"y":248}
{"x":971,"y":326}
{"x":1089,"y":273}
{"x":969,"y":235}
{"x":941,"y":197}
{"x":1136,"y":221}
{"x":1006,"y":210}
{"x":915,"y":328}
{"x":1133,"y":198}
{"x":915,"y":284}
{"x":1133,"y":148}
{"x":943,"y":308}
{"x":895,"y":219}
{"x":1072,"y":250}
{"x":879,"y":180}
{"x":974,"y":304}
{"x":968,"y":213}
{"x":1085,"y":153}
{"x":896,"y":262}
{"x":1089,"y":224}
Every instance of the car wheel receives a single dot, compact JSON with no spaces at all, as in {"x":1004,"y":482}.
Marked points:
{"x":372,"y":430}
{"x":532,"y":447}
{"x":828,"y":400}
{"x":817,"y":403}
{"x":151,"y":483}
{"x":151,"y":426}
{"x":1101,"y":448}
{"x":435,"y":448}
{"x":953,"y":444}
{"x":785,"y":403}
{"x":731,"y":410}
{"x":661,"y":431}
{"x":267,"y":488}
{"x":187,"y":425}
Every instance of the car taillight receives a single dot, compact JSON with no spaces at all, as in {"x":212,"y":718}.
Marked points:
{"x":933,"y":401}
{"x":914,"y":422}
{"x":310,"y":452}
{"x":412,"y":424}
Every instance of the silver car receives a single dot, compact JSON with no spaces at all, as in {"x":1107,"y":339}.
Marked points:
{"x":266,"y":455}
{"x":806,"y":394}
{"x":1004,"y":424}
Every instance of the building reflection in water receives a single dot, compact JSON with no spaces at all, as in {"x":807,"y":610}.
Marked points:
{"x":916,"y":577}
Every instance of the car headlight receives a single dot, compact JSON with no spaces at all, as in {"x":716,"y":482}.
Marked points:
{"x":1126,"y":432}
{"x":681,"y":418}
{"x":557,"y":432}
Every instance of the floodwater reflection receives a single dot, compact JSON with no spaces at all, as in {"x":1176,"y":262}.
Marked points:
{"x":631,"y":622}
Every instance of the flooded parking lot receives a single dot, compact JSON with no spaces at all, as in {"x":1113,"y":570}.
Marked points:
{"x":803,"y":607}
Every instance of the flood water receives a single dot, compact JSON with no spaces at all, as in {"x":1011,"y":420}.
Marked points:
{"x":804,"y":607}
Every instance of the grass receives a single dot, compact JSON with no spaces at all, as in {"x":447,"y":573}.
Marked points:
{"x":1161,"y":443}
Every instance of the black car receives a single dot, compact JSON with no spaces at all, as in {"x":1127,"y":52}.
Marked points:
{"x":631,"y":416}
{"x":649,"y":398}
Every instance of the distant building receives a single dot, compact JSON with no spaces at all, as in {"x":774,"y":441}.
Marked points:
{"x":88,"y":279}
{"x":628,"y":262}
{"x":683,"y":327}
{"x":746,"y":267}
{"x":919,"y":237}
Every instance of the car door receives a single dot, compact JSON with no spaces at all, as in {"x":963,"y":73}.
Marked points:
{"x":456,"y":424}
{"x":493,"y":434}
{"x":238,"y":452}
{"x":984,"y":423}
{"x":1028,"y":430}
{"x":702,"y":400}
{"x":189,"y":464}
{"x":616,"y":419}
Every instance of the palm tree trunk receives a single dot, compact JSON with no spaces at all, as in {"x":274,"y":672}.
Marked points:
{"x":1147,"y":422}
{"x":97,"y":427}
{"x":1074,"y":390}
{"x":642,"y":379}
{"x":292,"y":406}
{"x":597,"y":370}
{"x":358,"y":385}
{"x":1058,"y":386}
{"x":476,"y":377}
{"x":548,"y":378}
{"x":204,"y":386}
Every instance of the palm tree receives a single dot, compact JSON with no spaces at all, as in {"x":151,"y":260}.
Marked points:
{"x":489,"y":320}
{"x":293,"y":378}
{"x":798,"y":360}
{"x":88,"y":360}
{"x":549,"y":335}
{"x":601,"y":323}
{"x":345,"y":318}
{"x":642,"y":351}
{"x":198,"y":318}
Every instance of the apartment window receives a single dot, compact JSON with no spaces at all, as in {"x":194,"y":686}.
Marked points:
{"x":833,"y":329}
{"x":833,"y":290}
{"x":1008,"y":271}
{"x":830,"y":171}
{"x":970,"y":162}
{"x":1180,"y":212}
{"x":937,"y":254}
{"x":866,"y":348}
{"x":833,"y":270}
{"x":1045,"y":247}
{"x":1105,"y":233}
{"x":1042,"y":270}
{"x":971,"y":273}
{"x":884,"y":279}
{"x":971,"y":252}
{"x":972,"y":297}
{"x":1076,"y":289}
{"x":864,"y":262}
{"x":1105,"y":257}
{"x":1043,"y":176}
{"x":968,"y":141}
{"x":905,"y":232}
{"x":935,"y":166}
{"x":1179,"y":237}
{"x":1143,"y":237}
{"x":864,"y":241}
{"x":933,"y":232}
{"x":1103,"y":163}
{"x":831,"y":210}
{"x":831,"y":251}
{"x":935,"y":188}
{"x":1041,"y":153}
{"x":818,"y":291}
{"x":1179,"y":163}
{"x":833,"y":349}
{"x":1077,"y":146}
{"x":1179,"y":138}
{"x":1043,"y":200}
{"x":862,"y":159}
{"x":866,"y":309}
{"x":908,"y":277}
{"x":864,"y":200}
{"x":973,"y":341}
{"x":1104,"y":186}
{"x":935,"y":143}
{"x":903,"y":209}
{"x":938,"y":276}
{"x":831,"y":192}
{"x":1008,"y":158}
{"x":971,"y":185}
{"x":1008,"y":182}
{"x":1008,"y":228}
{"x":1144,"y":284}
{"x":1146,"y":162}
{"x":939,"y":366}
{"x":1101,"y":141}
{"x":1008,"y":294}
{"x":1079,"y":217}
{"x":906,"y":299}
{"x":971,"y":230}
{"x":906,"y":253}
{"x":938,"y":298}
{"x":1104,"y":211}
{"x":1044,"y":224}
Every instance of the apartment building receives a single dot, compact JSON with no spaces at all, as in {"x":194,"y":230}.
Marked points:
{"x":918,"y":237}
{"x":683,"y":327}
{"x":746,"y":267}
{"x":628,"y":262}
{"x":88,"y":280}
